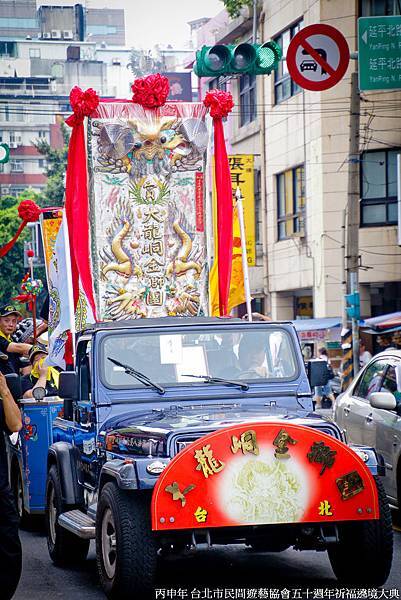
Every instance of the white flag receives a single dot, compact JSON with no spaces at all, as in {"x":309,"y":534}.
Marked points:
{"x":61,"y":301}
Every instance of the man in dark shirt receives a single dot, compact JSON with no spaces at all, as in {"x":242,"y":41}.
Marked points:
{"x":10,"y":546}
{"x":10,"y":352}
{"x":41,"y":374}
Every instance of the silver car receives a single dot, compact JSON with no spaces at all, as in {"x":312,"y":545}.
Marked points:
{"x":369,"y":412}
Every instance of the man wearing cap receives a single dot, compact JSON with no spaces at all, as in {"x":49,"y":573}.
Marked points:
{"x":41,"y":375}
{"x":10,"y":352}
{"x":10,"y":546}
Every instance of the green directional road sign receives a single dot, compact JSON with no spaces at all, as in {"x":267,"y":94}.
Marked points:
{"x":379,"y":53}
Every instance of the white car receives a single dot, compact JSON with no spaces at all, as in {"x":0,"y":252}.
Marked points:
{"x":369,"y":412}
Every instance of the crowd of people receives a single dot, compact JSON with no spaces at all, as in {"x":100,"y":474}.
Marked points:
{"x":20,"y":355}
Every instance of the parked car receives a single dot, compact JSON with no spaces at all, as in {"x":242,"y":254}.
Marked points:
{"x":369,"y":412}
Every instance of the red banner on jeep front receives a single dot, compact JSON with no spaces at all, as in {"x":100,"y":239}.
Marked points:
{"x":263,"y":473}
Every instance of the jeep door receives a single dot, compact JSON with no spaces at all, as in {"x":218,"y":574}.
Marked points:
{"x":355,"y":414}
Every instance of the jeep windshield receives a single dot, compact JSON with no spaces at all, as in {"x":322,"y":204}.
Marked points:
{"x":168,"y":358}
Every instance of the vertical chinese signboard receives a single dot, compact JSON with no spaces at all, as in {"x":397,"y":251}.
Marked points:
{"x":379,"y":53}
{"x":242,"y":176}
{"x":147,"y":212}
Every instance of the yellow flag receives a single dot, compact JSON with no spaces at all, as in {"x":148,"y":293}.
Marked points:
{"x":237,"y":289}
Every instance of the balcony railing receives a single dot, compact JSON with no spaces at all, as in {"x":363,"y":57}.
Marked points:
{"x":53,"y":89}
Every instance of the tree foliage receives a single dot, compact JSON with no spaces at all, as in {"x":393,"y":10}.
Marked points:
{"x":233,"y":7}
{"x":56,"y":159}
{"x":12,"y":265}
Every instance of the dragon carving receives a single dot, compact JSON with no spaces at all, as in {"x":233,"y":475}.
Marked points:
{"x":180,"y":264}
{"x":123,"y":264}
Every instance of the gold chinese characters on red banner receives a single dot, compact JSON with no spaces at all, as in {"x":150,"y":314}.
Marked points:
{"x":263,"y":473}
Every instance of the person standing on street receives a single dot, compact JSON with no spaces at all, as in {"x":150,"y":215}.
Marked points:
{"x":10,"y":352}
{"x":10,"y":545}
{"x":324,"y":391}
{"x":364,"y":355}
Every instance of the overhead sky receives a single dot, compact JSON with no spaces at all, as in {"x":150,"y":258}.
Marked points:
{"x":151,"y":22}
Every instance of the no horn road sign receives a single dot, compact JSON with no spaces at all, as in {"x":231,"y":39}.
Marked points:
{"x":317,"y":57}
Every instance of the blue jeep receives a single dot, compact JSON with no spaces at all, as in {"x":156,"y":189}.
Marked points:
{"x":146,"y":393}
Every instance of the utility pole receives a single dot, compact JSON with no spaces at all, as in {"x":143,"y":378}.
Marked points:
{"x":255,"y":22}
{"x":353,"y":210}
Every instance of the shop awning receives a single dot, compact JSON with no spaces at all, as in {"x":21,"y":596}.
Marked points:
{"x":384,"y":322}
{"x":317,"y":324}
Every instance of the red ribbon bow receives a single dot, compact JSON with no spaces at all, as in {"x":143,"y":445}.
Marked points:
{"x":83,"y":104}
{"x":29,"y":212}
{"x":151,"y":91}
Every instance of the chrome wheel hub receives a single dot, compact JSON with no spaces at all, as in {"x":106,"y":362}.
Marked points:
{"x":109,"y":543}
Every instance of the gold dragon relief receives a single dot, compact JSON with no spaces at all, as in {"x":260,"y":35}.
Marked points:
{"x":150,"y":273}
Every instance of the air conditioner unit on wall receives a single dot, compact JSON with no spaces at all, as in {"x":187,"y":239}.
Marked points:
{"x":46,"y":35}
{"x":56,"y":34}
{"x":67,"y":34}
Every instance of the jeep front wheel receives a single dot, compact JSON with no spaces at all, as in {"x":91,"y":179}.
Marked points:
{"x":126,"y":550}
{"x":364,"y":552}
{"x":64,"y":547}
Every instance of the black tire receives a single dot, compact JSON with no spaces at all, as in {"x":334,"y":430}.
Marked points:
{"x":126,"y":550}
{"x":365,"y":551}
{"x":25,"y":519}
{"x":64,"y":547}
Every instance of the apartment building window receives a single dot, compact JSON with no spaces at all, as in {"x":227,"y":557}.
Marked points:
{"x":42,"y":134}
{"x":379,"y":188}
{"x":34,"y":52}
{"x":16,"y":190}
{"x":16,"y":166}
{"x":15,"y":139}
{"x":218,"y":83}
{"x":247,"y":99}
{"x":290,"y":202}
{"x":379,"y":8}
{"x":42,"y":163}
{"x":284,"y":86}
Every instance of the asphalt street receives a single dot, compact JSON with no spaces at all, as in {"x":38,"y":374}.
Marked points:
{"x":219,"y":567}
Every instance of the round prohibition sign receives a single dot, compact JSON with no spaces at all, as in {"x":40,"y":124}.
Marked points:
{"x":317,"y":57}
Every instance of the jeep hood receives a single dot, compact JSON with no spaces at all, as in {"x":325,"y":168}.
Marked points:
{"x":163,"y":432}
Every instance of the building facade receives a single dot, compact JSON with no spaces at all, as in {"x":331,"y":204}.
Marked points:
{"x":307,"y":161}
{"x":300,"y":143}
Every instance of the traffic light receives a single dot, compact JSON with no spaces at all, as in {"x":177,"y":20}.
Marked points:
{"x":353,"y":305}
{"x":253,"y":59}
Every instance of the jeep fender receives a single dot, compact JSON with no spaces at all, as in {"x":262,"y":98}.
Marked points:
{"x":65,"y":456}
{"x":121,"y":472}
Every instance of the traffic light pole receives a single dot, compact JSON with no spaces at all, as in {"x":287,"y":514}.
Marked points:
{"x":353,"y":210}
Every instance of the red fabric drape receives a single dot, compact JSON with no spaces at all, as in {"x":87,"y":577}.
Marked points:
{"x":224,"y":214}
{"x":77,"y":211}
{"x":28,"y":212}
{"x":7,"y":247}
{"x":220,"y":104}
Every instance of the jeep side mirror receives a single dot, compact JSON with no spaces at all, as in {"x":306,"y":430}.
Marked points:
{"x":14,"y":385}
{"x":68,"y":385}
{"x":384,"y":400}
{"x":317,"y":372}
{"x":68,"y":390}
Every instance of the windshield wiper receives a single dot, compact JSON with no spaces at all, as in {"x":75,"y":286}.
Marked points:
{"x":138,"y":375}
{"x":207,"y":379}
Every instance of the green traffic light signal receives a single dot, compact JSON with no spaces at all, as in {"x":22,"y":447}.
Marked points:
{"x":254,"y":59}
